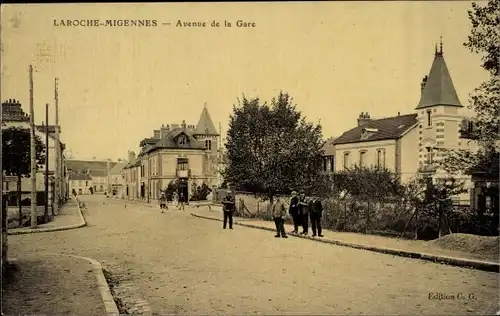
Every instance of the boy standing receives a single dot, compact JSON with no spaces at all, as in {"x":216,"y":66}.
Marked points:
{"x":279,"y":213}
{"x":316,"y":214}
{"x":228,"y":208}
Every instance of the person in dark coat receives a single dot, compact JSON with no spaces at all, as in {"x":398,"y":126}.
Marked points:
{"x":294,"y":212}
{"x":228,"y":208}
{"x":304,"y":213}
{"x":316,"y":212}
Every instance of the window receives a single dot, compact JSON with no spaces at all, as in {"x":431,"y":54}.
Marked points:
{"x":346,"y":160}
{"x":325,"y":164}
{"x":362,"y":158}
{"x":429,"y":155}
{"x":381,"y":158}
{"x":208,"y":144}
{"x":182,"y":140}
{"x":429,"y":122}
{"x":182,"y":164}
{"x":332,"y":164}
{"x":86,"y":183}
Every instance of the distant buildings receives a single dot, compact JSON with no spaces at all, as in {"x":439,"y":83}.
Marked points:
{"x":188,"y":154}
{"x":116,"y":180}
{"x":95,"y":170}
{"x":408,"y":144}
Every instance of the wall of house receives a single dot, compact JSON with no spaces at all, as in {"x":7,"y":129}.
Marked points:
{"x":354,"y":149}
{"x":78,"y":185}
{"x":409,"y":154}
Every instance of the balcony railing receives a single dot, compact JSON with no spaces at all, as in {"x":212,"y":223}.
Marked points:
{"x":183,"y":173}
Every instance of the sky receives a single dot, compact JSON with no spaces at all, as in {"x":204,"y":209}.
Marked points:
{"x":118,"y":84}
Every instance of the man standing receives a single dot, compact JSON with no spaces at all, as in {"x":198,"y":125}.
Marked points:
{"x":228,"y":208}
{"x":181,"y":201}
{"x":304,"y":213}
{"x":316,"y":214}
{"x":294,"y":212}
{"x":278,"y":215}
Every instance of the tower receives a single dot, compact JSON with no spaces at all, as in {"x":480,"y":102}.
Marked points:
{"x":206,"y":132}
{"x":437,"y":110}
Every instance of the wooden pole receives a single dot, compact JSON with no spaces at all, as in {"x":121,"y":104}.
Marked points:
{"x":58,"y":178}
{"x":33,"y":154}
{"x":46,"y":211}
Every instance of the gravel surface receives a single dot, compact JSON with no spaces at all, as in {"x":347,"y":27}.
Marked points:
{"x":184,"y":265}
{"x":51,"y":285}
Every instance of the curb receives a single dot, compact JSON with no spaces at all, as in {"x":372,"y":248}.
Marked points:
{"x":52,"y":229}
{"x":107,"y":297}
{"x":459,"y":262}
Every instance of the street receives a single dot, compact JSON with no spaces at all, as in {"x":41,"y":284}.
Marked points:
{"x":180,"y":264}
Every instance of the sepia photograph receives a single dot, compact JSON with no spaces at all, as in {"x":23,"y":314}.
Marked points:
{"x":250,"y":158}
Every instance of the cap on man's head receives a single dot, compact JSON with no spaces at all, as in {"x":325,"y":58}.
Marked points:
{"x":294,"y":192}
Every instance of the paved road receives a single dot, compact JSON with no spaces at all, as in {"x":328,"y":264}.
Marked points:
{"x":185,"y":265}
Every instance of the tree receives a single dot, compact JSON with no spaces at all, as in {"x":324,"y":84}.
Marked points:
{"x":485,"y":100}
{"x":271,"y":149}
{"x":16,"y":156}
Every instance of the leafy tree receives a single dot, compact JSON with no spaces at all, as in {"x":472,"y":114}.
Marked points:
{"x":271,"y":149}
{"x":16,"y":156}
{"x":485,"y":100}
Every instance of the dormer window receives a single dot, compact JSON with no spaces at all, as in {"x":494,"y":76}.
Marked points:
{"x":367,"y":132}
{"x":182,"y":140}
{"x":429,"y":121}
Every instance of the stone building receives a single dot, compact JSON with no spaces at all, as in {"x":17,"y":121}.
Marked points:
{"x":176,"y":152}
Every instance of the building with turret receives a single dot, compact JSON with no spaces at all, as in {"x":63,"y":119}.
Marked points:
{"x":409,"y":144}
{"x":188,"y":154}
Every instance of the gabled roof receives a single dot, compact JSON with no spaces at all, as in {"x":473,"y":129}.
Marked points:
{"x":439,"y":88}
{"x":92,"y":165}
{"x":169,"y":141}
{"x":117,"y":168}
{"x":205,"y":125}
{"x":386,"y":128}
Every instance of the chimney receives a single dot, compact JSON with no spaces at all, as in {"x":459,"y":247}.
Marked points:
{"x":422,"y":85}
{"x":363,"y":118}
{"x":164,"y":130}
{"x":183,"y":125}
{"x":131,"y":156}
{"x":156,"y":133}
{"x":399,"y":113}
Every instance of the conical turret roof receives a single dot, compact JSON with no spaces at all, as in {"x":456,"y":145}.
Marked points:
{"x":205,"y":125}
{"x":439,"y":88}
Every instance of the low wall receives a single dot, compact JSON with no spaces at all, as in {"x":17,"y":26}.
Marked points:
{"x":4,"y":236}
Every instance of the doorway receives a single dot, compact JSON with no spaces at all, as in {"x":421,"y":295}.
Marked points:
{"x":183,"y":188}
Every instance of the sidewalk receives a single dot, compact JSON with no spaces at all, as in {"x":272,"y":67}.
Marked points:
{"x":69,"y":217}
{"x":51,"y":285}
{"x":401,"y":247}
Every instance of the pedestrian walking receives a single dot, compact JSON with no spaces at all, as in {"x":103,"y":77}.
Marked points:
{"x":316,"y":212}
{"x":304,"y":213}
{"x":163,"y":202}
{"x":228,"y":208}
{"x":181,"y":201}
{"x":294,"y":212}
{"x":279,"y":213}
{"x":175,"y":199}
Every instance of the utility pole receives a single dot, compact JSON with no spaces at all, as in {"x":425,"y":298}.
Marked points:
{"x":46,"y":210}
{"x":58,"y":177}
{"x":33,"y":154}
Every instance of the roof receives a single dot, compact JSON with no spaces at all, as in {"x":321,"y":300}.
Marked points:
{"x":205,"y":125}
{"x":98,"y":173}
{"x":91,"y":165}
{"x":387,"y":128}
{"x":79,"y":176}
{"x":170,"y":141}
{"x":12,"y":112}
{"x":118,"y":168}
{"x":439,"y":88}
{"x":328,"y":147}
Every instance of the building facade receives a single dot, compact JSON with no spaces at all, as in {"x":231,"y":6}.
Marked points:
{"x":116,"y":180}
{"x":80,"y":183}
{"x":184,"y":153}
{"x":14,"y":116}
{"x":409,"y":144}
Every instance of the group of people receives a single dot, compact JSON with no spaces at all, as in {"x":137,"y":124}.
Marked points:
{"x":178,"y":200}
{"x":301,"y":209}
